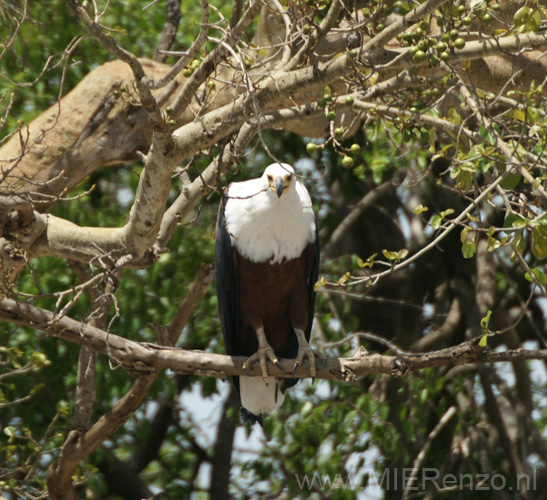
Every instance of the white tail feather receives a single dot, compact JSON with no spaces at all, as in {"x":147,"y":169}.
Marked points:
{"x":257,"y":397}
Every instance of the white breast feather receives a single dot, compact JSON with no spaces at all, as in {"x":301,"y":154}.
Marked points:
{"x":263,"y":226}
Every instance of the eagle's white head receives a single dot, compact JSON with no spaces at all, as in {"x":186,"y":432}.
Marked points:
{"x":279,"y":177}
{"x":270,"y":217}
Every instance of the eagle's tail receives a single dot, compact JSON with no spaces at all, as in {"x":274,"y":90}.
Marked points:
{"x":247,"y":416}
{"x":258,"y":396}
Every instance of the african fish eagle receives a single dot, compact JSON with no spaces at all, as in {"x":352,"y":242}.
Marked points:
{"x":266,"y":267}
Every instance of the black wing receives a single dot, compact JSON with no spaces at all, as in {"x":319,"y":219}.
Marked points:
{"x":312,"y":280}
{"x":226,"y":284}
{"x":228,"y":297}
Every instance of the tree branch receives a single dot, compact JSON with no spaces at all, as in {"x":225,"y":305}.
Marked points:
{"x":202,"y":282}
{"x":144,"y":358}
{"x":169,"y":33}
{"x":147,"y":99}
{"x":213,"y":58}
{"x":401,"y":24}
{"x":190,"y":53}
{"x":78,"y":446}
{"x":320,"y":32}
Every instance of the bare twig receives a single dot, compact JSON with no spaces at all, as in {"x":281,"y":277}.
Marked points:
{"x":213,"y":58}
{"x":201,"y":283}
{"x":188,"y":55}
{"x":169,"y":32}
{"x":321,"y":31}
{"x":146,"y":98}
{"x":441,"y":424}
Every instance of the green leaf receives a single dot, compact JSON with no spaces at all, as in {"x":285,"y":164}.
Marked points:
{"x":527,"y":20}
{"x":511,"y":181}
{"x":449,"y":211}
{"x":539,"y":241}
{"x":469,"y":249}
{"x":39,"y":359}
{"x":489,"y":137}
{"x":320,"y":282}
{"x":389,"y":255}
{"x":370,"y":261}
{"x":432,"y":136}
{"x":485,"y":329}
{"x":343,"y":279}
{"x":540,"y":275}
{"x":420,"y":209}
{"x":306,"y":408}
{"x":464,"y":180}
{"x":9,"y":431}
{"x":455,"y":117}
{"x":519,"y":244}
{"x":401,"y":254}
{"x":519,"y":115}
{"x":398,"y":256}
{"x":120,"y":30}
{"x":514,"y":220}
{"x":521,"y":16}
{"x":533,"y":113}
{"x":493,"y":244}
{"x":436,"y":221}
{"x":486,"y":321}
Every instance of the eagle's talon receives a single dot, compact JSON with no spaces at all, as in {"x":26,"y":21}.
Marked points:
{"x":295,"y":366}
{"x":262,"y":356}
{"x":305,"y":351}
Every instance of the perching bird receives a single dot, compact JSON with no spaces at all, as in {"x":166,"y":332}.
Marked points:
{"x":266,"y":267}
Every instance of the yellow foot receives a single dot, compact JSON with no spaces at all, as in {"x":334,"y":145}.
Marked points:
{"x":262,"y":356}
{"x":305,"y":351}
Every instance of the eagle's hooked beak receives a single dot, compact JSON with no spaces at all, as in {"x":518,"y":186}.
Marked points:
{"x":279,"y":186}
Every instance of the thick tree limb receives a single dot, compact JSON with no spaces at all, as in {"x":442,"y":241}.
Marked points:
{"x":221,"y":458}
{"x":193,"y":193}
{"x":144,"y":358}
{"x":129,"y":122}
{"x":51,"y":235}
{"x":147,"y":211}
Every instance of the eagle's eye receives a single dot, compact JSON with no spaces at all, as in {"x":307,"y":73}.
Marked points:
{"x":289,"y":178}
{"x":270,"y":178}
